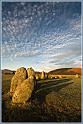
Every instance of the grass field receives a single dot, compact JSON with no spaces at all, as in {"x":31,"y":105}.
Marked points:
{"x":53,"y":100}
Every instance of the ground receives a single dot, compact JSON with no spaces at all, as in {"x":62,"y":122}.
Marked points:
{"x":53,"y":100}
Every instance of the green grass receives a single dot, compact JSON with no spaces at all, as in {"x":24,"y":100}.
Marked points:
{"x":53,"y":100}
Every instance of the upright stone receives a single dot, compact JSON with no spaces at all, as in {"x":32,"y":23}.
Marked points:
{"x":24,"y":91}
{"x":17,"y":79}
{"x":46,"y":75}
{"x":30,"y":72}
{"x":37,"y":77}
{"x":43,"y":75}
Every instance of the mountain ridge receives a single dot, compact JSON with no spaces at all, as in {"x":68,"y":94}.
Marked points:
{"x":66,"y":71}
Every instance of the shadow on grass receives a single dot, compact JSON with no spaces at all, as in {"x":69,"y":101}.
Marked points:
{"x":51,"y":82}
{"x":43,"y":89}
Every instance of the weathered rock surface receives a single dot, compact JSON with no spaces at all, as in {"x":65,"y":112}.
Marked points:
{"x":18,"y":78}
{"x":30,"y":72}
{"x":37,"y":77}
{"x":24,"y":91}
{"x":43,"y":75}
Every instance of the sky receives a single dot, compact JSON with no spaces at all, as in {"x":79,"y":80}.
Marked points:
{"x":42,"y":35}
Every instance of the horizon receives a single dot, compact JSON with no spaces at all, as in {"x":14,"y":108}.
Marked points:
{"x":42,"y":35}
{"x":44,"y":70}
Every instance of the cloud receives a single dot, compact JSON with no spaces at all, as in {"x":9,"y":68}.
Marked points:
{"x":45,"y":32}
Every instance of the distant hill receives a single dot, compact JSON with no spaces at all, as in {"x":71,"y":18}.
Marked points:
{"x":6,"y":71}
{"x":61,"y":71}
{"x":66,"y":71}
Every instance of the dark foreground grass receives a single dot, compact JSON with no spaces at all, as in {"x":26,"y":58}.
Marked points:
{"x":53,"y":100}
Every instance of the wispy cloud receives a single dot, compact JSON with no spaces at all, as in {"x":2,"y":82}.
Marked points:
{"x":44,"y":33}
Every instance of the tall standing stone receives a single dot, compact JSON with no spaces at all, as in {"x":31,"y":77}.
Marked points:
{"x":24,"y":91}
{"x":37,"y":77}
{"x":18,"y":78}
{"x":30,"y":72}
{"x":43,"y":75}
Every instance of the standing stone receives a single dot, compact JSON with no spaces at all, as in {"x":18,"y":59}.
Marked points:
{"x":17,"y":79}
{"x":43,"y":75}
{"x":24,"y":91}
{"x":37,"y":77}
{"x":30,"y":72}
{"x":46,"y":75}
